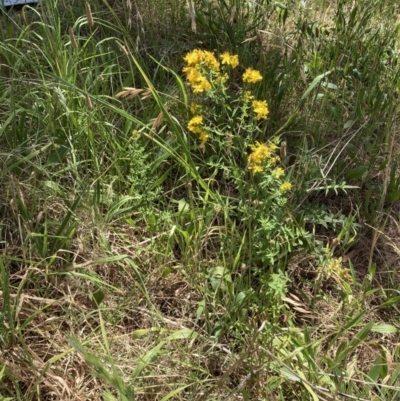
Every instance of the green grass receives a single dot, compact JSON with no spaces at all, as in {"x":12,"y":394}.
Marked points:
{"x":138,"y":263}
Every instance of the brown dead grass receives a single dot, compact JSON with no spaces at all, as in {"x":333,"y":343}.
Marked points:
{"x":46,"y":361}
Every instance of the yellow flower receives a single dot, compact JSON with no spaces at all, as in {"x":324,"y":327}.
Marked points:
{"x":210,"y":61}
{"x":194,"y":107}
{"x":260,"y":108}
{"x":192,"y":74}
{"x":196,"y":120}
{"x":252,"y":76}
{"x":193,"y":58}
{"x":194,"y":124}
{"x":198,"y":82}
{"x":227,"y":58}
{"x":202,"y":84}
{"x":286,"y":186}
{"x":197,"y":56}
{"x":278,"y":172}
{"x":259,"y":153}
{"x":203,"y":135}
{"x":196,"y":61}
{"x":255,"y":168}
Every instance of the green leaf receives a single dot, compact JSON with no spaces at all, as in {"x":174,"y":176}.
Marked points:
{"x":309,"y":389}
{"x":2,"y":372}
{"x":53,"y":186}
{"x":355,"y":342}
{"x":347,"y":326}
{"x":88,"y":277}
{"x":349,"y":124}
{"x":58,"y":156}
{"x":145,"y":360}
{"x":380,"y":368}
{"x":7,"y":122}
{"x":220,"y":277}
{"x":342,"y":346}
{"x":183,"y":206}
{"x":174,"y":392}
{"x":200,"y":309}
{"x":394,"y":195}
{"x":240,"y":298}
{"x":313,"y":84}
{"x":97,"y":298}
{"x":372,"y":270}
{"x":166,"y":271}
{"x":384,"y":328}
{"x":118,"y":208}
{"x":357,"y":172}
{"x":144,"y":332}
{"x":289,"y":375}
{"x":183,"y":334}
{"x":108,"y":396}
{"x":389,"y":302}
{"x":329,"y":85}
{"x":361,"y":335}
{"x":385,"y":358}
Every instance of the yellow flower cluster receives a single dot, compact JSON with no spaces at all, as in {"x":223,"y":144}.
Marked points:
{"x":198,"y":59}
{"x":198,"y":81}
{"x":260,"y":108}
{"x":228,"y":59}
{"x":261,"y":152}
{"x":195,"y":126}
{"x":263,"y":155}
{"x":286,"y":186}
{"x":252,"y":76}
{"x":205,"y":71}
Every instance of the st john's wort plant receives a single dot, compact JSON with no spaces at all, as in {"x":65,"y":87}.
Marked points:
{"x":228,"y":121}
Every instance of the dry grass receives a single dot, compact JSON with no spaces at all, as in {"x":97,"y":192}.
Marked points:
{"x":44,"y":359}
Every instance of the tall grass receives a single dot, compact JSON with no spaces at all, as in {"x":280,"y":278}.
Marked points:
{"x":146,"y":258}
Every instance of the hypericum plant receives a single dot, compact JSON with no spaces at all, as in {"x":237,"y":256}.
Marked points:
{"x":227,"y":118}
{"x":218,"y":107}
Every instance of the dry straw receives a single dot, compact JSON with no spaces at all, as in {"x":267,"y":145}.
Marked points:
{"x":157,"y":122}
{"x":192,"y":13}
{"x":123,"y":48}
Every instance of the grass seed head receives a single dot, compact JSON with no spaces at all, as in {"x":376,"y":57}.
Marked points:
{"x":128,"y":93}
{"x":72,"y":38}
{"x":89,"y":15}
